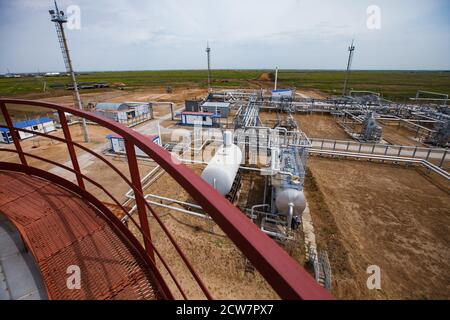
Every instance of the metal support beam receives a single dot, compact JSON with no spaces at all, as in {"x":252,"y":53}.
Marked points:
{"x":13,"y":133}
{"x":70,"y":147}
{"x":139,"y":198}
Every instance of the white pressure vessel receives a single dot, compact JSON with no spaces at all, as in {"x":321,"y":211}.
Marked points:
{"x":287,"y":197}
{"x":223,"y":167}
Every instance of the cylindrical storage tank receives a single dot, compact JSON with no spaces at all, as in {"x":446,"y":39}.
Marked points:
{"x":223,"y":167}
{"x":284,"y":197}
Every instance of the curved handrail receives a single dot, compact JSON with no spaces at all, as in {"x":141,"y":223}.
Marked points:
{"x":127,"y":214}
{"x":117,"y":203}
{"x":96,"y":203}
{"x":281,"y":271}
{"x":136,"y":192}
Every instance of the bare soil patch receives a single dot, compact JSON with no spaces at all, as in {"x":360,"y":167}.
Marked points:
{"x":400,"y":136}
{"x":375,"y":214}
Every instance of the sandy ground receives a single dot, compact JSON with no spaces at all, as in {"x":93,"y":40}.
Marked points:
{"x":375,"y":214}
{"x":316,"y":94}
{"x":320,"y":126}
{"x":400,"y":136}
{"x":314,"y":125}
{"x":54,"y":150}
{"x":178,"y":96}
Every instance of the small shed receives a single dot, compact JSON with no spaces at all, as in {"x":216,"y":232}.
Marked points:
{"x":208,"y":119}
{"x":218,"y":108}
{"x":42,"y":125}
{"x":122,"y":112}
{"x":117,"y":145}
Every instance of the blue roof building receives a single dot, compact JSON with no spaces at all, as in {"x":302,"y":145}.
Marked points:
{"x":33,"y":124}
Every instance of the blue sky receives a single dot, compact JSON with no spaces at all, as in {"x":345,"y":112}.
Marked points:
{"x":243,"y":34}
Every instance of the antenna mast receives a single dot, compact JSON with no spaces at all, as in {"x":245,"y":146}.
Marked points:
{"x":59,"y":19}
{"x":208,"y":50}
{"x":349,"y":63}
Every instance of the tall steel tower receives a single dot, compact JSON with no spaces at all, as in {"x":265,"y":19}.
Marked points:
{"x":59,"y":19}
{"x":349,"y":63}
{"x":208,"y":50}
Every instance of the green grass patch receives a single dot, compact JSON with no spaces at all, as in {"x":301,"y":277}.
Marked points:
{"x":394,"y":85}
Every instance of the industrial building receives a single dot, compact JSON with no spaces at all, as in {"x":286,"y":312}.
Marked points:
{"x":116,"y":144}
{"x":208,"y":119}
{"x":219,"y":108}
{"x":129,"y":113}
{"x":42,"y":125}
{"x":282,"y":94}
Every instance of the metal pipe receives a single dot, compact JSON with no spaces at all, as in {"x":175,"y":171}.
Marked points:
{"x":199,"y":215}
{"x":291,"y":214}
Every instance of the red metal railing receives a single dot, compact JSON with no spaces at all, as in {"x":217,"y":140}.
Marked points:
{"x":282,"y":272}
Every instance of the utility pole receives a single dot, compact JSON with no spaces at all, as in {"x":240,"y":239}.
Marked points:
{"x":349,"y":63}
{"x":276,"y":78}
{"x":208,"y":51}
{"x":59,"y":19}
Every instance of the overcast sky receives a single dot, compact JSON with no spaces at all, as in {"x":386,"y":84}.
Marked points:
{"x":243,"y":34}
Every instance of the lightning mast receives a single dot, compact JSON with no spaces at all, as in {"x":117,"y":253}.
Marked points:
{"x":59,"y":19}
{"x":208,"y":50}
{"x":349,"y":63}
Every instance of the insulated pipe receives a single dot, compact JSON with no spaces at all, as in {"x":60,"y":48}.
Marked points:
{"x":199,"y":215}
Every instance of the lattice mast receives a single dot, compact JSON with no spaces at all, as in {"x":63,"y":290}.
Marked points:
{"x":59,"y":19}
{"x":351,"y":49}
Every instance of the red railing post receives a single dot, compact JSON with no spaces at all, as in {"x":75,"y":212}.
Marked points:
{"x":72,"y":153}
{"x":139,"y":198}
{"x":13,"y":133}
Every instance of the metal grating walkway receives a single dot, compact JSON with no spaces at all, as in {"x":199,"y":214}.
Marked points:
{"x":61,"y":229}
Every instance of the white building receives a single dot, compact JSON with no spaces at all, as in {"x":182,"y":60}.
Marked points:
{"x":208,"y":119}
{"x":117,"y":145}
{"x":42,"y":125}
{"x":127,"y":112}
{"x":221,"y":109}
{"x":282,"y":94}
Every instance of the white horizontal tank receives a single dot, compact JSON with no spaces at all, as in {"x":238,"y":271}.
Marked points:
{"x":223,"y":167}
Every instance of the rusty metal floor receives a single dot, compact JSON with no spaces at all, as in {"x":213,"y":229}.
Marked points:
{"x":61,"y":230}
